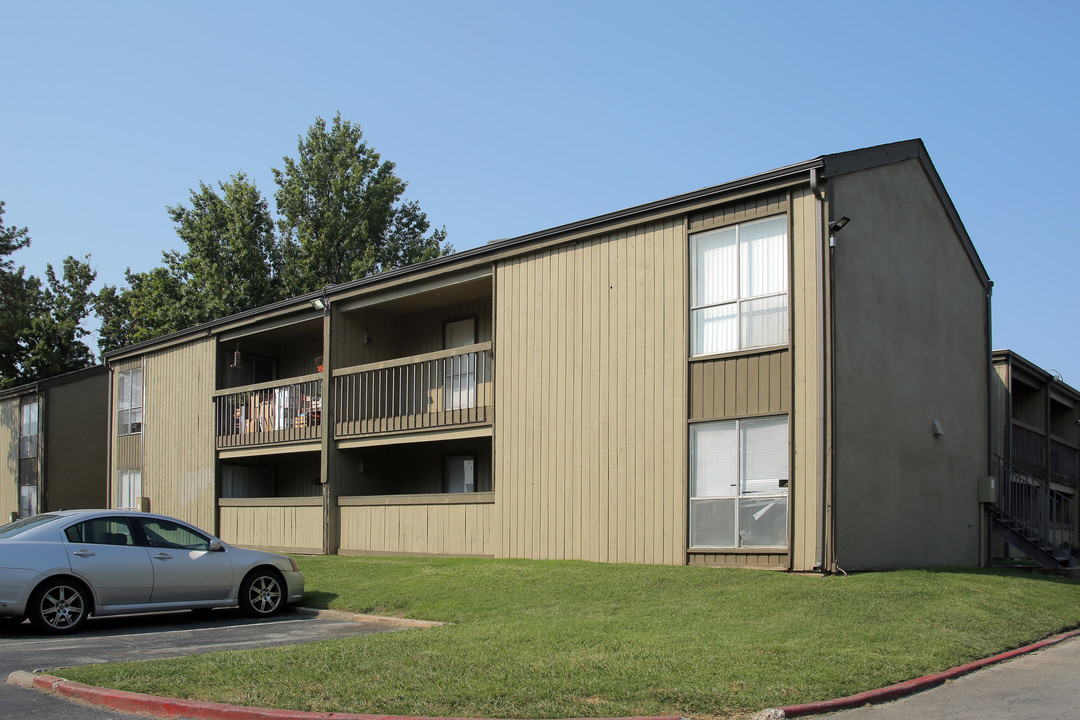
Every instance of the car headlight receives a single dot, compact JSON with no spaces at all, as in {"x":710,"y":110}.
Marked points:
{"x":292,"y":562}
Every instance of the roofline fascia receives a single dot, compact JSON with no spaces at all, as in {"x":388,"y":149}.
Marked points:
{"x":50,"y":382}
{"x":516,"y":245}
{"x":851,"y":161}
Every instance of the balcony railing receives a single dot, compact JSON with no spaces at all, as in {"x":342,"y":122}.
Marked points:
{"x":445,"y":388}
{"x":273,"y":412}
{"x":1064,"y":463}
{"x":1029,"y":451}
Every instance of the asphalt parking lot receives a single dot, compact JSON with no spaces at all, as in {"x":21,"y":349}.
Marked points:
{"x":143,"y":637}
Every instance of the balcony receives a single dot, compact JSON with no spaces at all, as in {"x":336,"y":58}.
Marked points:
{"x":440,"y":389}
{"x":271,"y":412}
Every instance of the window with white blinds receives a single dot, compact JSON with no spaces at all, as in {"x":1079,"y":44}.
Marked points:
{"x":739,"y":483}
{"x":739,"y":283}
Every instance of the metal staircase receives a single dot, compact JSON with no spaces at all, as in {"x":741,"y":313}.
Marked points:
{"x":1033,"y":517}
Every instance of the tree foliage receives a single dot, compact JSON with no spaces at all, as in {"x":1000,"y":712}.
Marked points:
{"x":41,"y":324}
{"x":56,"y":331}
{"x":342,"y":212}
{"x":19,"y":302}
{"x":341,"y":216}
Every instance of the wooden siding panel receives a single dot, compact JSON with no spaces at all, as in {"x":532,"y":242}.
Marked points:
{"x":178,"y":432}
{"x":806,"y":360}
{"x":763,"y":392}
{"x":591,"y":436}
{"x":10,"y":424}
{"x":458,"y":529}
{"x":280,"y":528}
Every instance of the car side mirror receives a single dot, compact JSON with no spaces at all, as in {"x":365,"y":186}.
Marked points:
{"x":216,"y":546}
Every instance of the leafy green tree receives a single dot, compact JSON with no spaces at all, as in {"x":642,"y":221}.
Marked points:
{"x":342,"y":216}
{"x":151,"y":305}
{"x":20,"y":301}
{"x":229,"y":266}
{"x":57,"y":331}
{"x":232,"y":254}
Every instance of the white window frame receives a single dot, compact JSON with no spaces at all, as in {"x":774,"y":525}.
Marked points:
{"x":740,"y":493}
{"x":742,"y":299}
{"x":29,"y":428}
{"x":128,"y":489}
{"x":129,"y":412}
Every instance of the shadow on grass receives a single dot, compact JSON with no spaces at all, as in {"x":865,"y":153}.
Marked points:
{"x":318,"y":599}
{"x":1057,"y":575}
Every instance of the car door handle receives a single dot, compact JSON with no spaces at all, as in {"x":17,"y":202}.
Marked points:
{"x":84,"y":553}
{"x":163,"y":556}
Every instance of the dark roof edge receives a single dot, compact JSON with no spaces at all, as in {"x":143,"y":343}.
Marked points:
{"x":49,"y":382}
{"x":491,"y":248}
{"x":1011,"y":356}
{"x":851,"y":161}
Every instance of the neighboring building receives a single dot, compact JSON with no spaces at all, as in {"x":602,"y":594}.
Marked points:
{"x":55,"y":434}
{"x":705,"y":379}
{"x":1036,"y":443}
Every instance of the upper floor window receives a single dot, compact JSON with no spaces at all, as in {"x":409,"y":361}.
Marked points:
{"x":28,"y":429}
{"x":738,"y":287}
{"x":129,"y":417}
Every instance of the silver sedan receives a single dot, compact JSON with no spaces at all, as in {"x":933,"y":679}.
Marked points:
{"x":60,"y":567}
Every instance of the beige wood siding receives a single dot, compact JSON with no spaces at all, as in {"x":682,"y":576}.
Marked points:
{"x":590,"y":434}
{"x":808,"y":404}
{"x":457,"y":525}
{"x":9,"y":468}
{"x":1002,"y":408}
{"x":276,"y":524}
{"x":740,"y":386}
{"x":771,"y":561}
{"x":740,"y":211}
{"x":178,"y":432}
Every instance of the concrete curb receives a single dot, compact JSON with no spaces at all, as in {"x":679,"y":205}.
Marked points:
{"x":197,"y":710}
{"x":361,"y":617}
{"x":908,"y":687}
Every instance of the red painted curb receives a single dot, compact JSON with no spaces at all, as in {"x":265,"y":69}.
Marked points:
{"x":198,"y":710}
{"x":910,"y":687}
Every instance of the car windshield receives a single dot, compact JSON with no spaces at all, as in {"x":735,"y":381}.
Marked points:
{"x":24,"y":524}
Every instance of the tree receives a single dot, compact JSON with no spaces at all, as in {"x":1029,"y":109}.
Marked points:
{"x":342,"y":216}
{"x":56,"y":331}
{"x":20,"y":300}
{"x":229,"y":266}
{"x":151,"y":305}
{"x":232,"y":255}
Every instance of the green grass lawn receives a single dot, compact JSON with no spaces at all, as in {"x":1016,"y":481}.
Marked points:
{"x":538,"y":639}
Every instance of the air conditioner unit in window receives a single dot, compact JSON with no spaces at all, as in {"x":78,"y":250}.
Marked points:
{"x":136,"y":427}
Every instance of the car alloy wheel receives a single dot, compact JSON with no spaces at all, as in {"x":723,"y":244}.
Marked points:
{"x":261,"y":594}
{"x":59,"y":606}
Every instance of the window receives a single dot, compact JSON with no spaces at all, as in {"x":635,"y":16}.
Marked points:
{"x":739,"y":483}
{"x":101,"y":531}
{"x":738,"y":287}
{"x":459,"y":375}
{"x":28,"y":500}
{"x":459,"y":474}
{"x":28,"y":429}
{"x":167,"y":534}
{"x":130,"y":402}
{"x":128,"y":489}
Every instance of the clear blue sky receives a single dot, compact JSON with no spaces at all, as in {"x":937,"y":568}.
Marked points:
{"x":509,"y":117}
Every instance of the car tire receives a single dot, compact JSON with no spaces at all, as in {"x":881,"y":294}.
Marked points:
{"x":60,"y":605}
{"x":262,"y":593}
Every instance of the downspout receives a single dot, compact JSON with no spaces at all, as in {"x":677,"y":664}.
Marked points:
{"x":823,"y":337}
{"x":984,"y":511}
